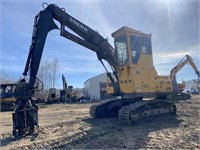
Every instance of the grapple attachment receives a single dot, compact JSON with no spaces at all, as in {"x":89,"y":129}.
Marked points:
{"x":24,"y":121}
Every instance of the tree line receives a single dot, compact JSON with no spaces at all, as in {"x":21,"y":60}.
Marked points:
{"x":46,"y":74}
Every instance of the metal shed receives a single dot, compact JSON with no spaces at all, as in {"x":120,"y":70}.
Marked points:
{"x":95,"y":87}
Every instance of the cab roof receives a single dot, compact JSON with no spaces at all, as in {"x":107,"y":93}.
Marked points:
{"x":125,"y":30}
{"x":7,"y":84}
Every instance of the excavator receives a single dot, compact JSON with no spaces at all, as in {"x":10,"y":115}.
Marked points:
{"x":186,"y":60}
{"x":66,"y":94}
{"x":63,"y":92}
{"x":132,"y":79}
{"x":53,"y":97}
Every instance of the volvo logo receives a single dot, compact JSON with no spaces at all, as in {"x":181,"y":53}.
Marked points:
{"x":78,"y":24}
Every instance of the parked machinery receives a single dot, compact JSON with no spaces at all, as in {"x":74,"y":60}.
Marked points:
{"x":134,"y":75}
{"x":63,"y":92}
{"x":186,"y":60}
{"x":53,"y":96}
{"x":7,"y":96}
{"x":67,"y":94}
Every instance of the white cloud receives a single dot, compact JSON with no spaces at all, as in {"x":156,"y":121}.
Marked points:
{"x":165,"y":61}
{"x":165,"y":56}
{"x":89,"y":68}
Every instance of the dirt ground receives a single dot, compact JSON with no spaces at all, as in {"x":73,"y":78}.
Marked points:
{"x":69,"y":126}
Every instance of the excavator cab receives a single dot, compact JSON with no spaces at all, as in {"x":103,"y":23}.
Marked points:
{"x":7,"y":96}
{"x":136,"y":71}
{"x":130,"y":44}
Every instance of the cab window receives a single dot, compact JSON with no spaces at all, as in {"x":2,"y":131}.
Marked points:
{"x":146,"y":45}
{"x":135,"y":48}
{"x":139,"y":45}
{"x":122,"y":53}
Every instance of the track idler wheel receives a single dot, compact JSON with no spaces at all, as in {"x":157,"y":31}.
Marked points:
{"x":98,"y":111}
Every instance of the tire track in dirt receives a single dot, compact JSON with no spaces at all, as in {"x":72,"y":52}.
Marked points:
{"x":46,"y":137}
{"x":67,"y":134}
{"x":181,"y":132}
{"x":62,"y":142}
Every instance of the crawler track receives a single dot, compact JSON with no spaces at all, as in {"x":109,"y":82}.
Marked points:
{"x":104,"y":108}
{"x":142,"y":110}
{"x":125,"y":112}
{"x":131,"y":110}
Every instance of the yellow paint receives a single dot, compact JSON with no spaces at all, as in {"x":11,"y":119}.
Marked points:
{"x":10,"y":99}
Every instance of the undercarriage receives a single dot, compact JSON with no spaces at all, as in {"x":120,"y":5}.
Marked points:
{"x":131,"y":110}
{"x":110,"y":107}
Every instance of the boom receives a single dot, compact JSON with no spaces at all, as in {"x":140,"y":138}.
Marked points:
{"x":87,"y":37}
{"x":64,"y":83}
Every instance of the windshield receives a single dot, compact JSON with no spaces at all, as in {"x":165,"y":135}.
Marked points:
{"x":139,"y":45}
{"x":146,"y":45}
{"x":121,"y":47}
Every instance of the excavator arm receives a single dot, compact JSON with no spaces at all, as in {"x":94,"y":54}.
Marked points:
{"x":26,"y":114}
{"x":186,"y":60}
{"x":64,"y":83}
{"x":87,"y":37}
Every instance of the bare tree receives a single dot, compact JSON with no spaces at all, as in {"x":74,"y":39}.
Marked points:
{"x":47,"y":74}
{"x":6,"y":77}
{"x":54,"y":71}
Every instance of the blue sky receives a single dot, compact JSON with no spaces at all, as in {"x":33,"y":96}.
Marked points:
{"x":174,"y":25}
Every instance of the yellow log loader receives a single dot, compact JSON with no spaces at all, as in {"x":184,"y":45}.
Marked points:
{"x":133,"y":76}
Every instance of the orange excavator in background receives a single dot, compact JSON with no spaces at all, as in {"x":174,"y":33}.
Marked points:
{"x":133,"y":76}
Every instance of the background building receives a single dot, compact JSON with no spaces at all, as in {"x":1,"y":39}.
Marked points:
{"x":95,"y":87}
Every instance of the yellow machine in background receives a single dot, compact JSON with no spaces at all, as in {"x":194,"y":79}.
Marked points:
{"x":181,"y":87}
{"x":7,"y":96}
{"x":53,"y":96}
{"x":67,"y":94}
